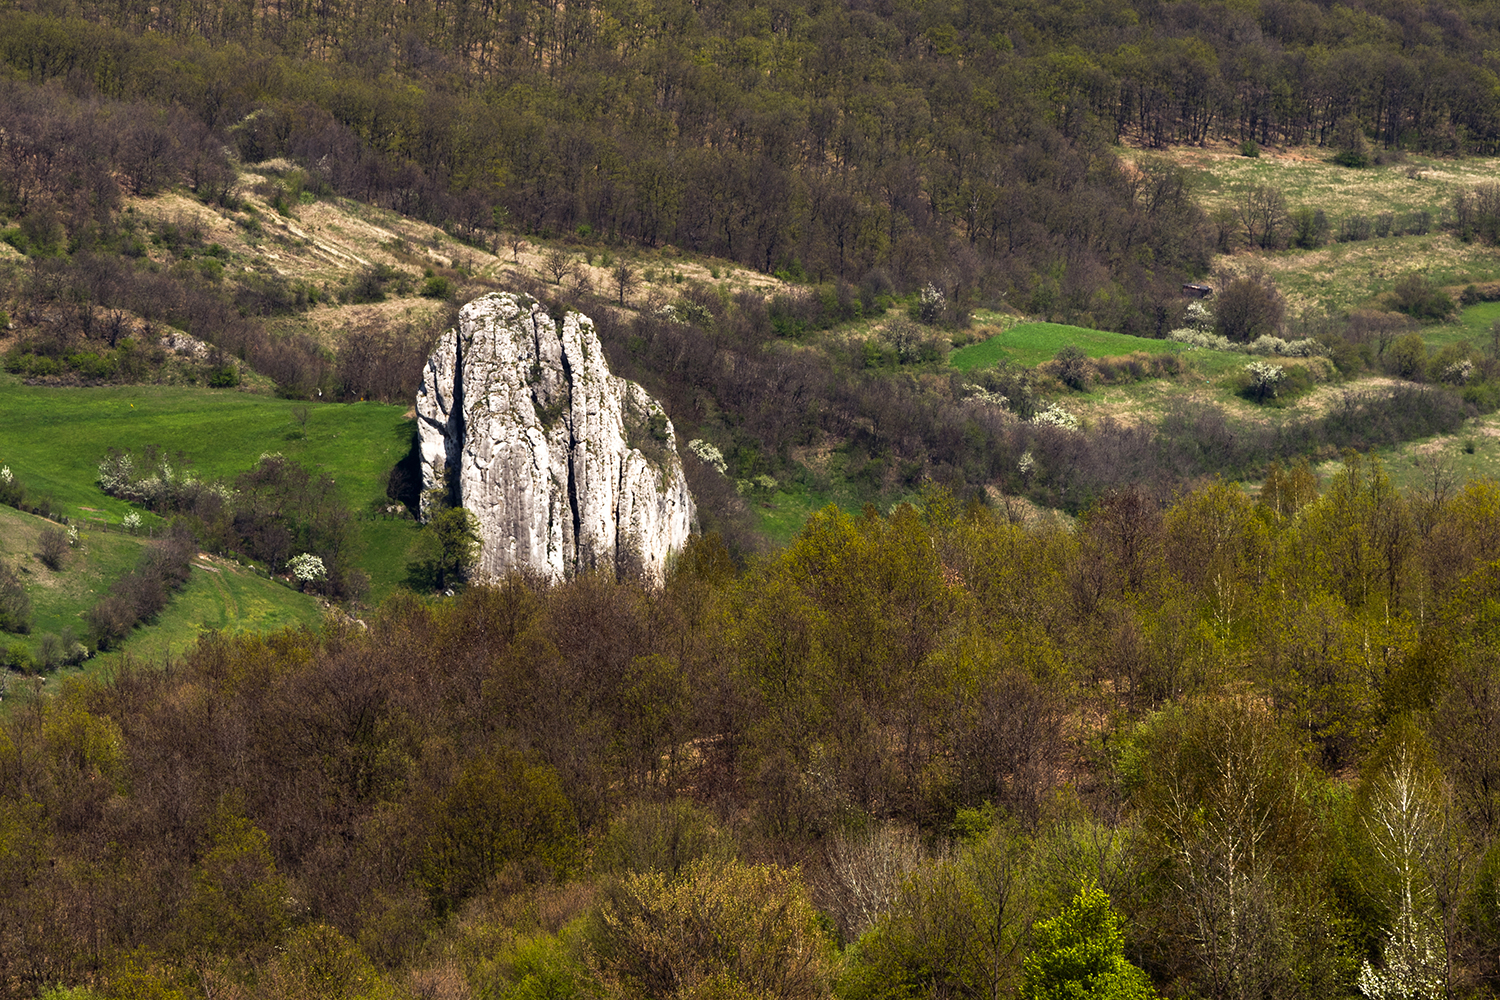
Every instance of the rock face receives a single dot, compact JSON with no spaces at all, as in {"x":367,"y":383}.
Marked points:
{"x":567,"y":467}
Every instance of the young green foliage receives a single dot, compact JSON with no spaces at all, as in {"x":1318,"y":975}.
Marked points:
{"x":1080,"y":955}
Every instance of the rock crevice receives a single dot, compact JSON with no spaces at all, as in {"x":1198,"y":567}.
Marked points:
{"x":566,"y":467}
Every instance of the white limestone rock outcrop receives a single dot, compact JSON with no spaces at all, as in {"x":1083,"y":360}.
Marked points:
{"x":567,"y":467}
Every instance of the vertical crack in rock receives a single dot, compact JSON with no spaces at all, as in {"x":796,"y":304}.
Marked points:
{"x":565,"y":466}
{"x":456,"y":431}
{"x":573,"y":507}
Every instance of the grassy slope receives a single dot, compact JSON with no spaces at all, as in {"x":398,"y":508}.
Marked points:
{"x":1472,"y":453}
{"x":1033,"y":343}
{"x":218,"y":595}
{"x":54,"y":438}
{"x":1343,"y":276}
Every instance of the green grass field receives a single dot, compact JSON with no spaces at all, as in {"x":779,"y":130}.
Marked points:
{"x":1033,"y":343}
{"x":1475,"y":321}
{"x":53,"y":439}
{"x":219,"y":595}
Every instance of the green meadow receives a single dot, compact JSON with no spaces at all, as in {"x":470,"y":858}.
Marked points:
{"x":53,"y":438}
{"x":1033,"y":343}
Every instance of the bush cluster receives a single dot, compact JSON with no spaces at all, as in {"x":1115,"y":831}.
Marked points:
{"x":140,"y":595}
{"x":270,"y":513}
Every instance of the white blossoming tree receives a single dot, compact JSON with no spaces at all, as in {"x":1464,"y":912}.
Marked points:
{"x":930,"y":304}
{"x":307,"y":568}
{"x":1264,"y":379}
{"x":708,"y":455}
{"x":1053,"y":415}
{"x":1406,"y":825}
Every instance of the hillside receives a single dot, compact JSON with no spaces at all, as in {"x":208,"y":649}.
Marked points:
{"x":1093,"y":414}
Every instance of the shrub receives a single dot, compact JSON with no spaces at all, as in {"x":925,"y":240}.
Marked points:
{"x":53,"y":547}
{"x":1264,"y":380}
{"x":1248,"y":308}
{"x":911,"y":344}
{"x":111,"y":621}
{"x":18,"y":658}
{"x":1354,"y":228}
{"x":1052,"y":415}
{"x":731,"y":929}
{"x":1418,"y":296}
{"x":1310,"y":228}
{"x":1304,"y":348}
{"x":307,"y":568}
{"x":1249,"y":148}
{"x":1201,"y":338}
{"x":1351,"y":147}
{"x":12,"y":490}
{"x":501,"y":811}
{"x":1072,"y":366}
{"x":1407,"y":358}
{"x":1081,"y":953}
{"x":60,"y":651}
{"x":15,"y":603}
{"x":931,"y":305}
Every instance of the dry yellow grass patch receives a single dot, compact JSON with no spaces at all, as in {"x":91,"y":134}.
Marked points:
{"x":1339,"y":277}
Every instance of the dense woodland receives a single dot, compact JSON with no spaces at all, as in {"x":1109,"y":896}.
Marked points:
{"x":1267,"y":730}
{"x":964,"y":145}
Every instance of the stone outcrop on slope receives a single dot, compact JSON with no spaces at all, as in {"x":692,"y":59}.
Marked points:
{"x":567,"y":467}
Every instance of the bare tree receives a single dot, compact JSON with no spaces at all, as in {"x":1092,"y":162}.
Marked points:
{"x":864,"y":874}
{"x":1262,"y":211}
{"x":54,"y":547}
{"x":626,"y":278}
{"x":558,"y":263}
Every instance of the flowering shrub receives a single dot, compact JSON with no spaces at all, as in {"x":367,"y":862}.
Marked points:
{"x":708,"y":455}
{"x":1201,"y":338}
{"x":668,"y":314}
{"x":1199,"y":317}
{"x":130,"y":521}
{"x":1414,"y":971}
{"x":307,"y":568}
{"x":154,"y":483}
{"x":1304,"y":348}
{"x":115,"y":472}
{"x":1459,"y":372}
{"x":930,"y":304}
{"x":1264,"y":378}
{"x":1052,"y":415}
{"x":761,"y":482}
{"x":11,"y":490}
{"x":1265,"y":344}
{"x":980,"y":394}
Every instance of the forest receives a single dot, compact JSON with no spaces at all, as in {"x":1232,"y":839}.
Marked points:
{"x":1062,"y":711}
{"x":1248,"y":746}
